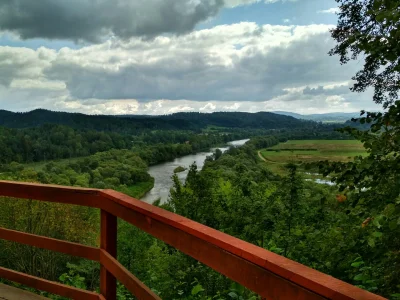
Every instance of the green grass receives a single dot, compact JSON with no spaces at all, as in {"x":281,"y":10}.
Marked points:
{"x":308,"y":151}
{"x":138,"y":190}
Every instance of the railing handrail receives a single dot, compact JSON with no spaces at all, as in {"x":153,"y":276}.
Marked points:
{"x":270,"y":275}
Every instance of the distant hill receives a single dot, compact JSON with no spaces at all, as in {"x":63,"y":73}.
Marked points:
{"x":265,"y":120}
{"x":336,"y":117}
{"x":133,"y":124}
{"x":39,"y":117}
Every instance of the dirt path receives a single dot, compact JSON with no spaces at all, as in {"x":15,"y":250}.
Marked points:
{"x":260,"y":156}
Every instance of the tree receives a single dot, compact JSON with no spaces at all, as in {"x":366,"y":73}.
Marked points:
{"x":371,"y":28}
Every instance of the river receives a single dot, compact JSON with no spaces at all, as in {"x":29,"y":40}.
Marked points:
{"x":162,"y":173}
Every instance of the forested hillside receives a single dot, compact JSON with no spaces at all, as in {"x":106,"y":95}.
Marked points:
{"x":135,"y":124}
{"x":265,"y":120}
{"x":236,"y":193}
{"x":49,"y":142}
{"x":43,"y":135}
{"x":80,"y":121}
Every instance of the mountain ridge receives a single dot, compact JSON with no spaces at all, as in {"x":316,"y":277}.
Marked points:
{"x":338,"y":117}
{"x":134,"y":123}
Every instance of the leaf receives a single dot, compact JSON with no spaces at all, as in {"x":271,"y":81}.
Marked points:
{"x":392,"y":225}
{"x":371,"y":242}
{"x":233,"y":295}
{"x":357,"y":264}
{"x":62,"y":278}
{"x":377,"y":234}
{"x":390,"y":209}
{"x":376,"y":223}
{"x":197,"y":289}
{"x":361,"y":277}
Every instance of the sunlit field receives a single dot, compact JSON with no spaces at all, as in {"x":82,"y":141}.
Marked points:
{"x":307,"y":151}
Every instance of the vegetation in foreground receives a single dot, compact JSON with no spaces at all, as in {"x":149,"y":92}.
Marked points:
{"x":234,"y":193}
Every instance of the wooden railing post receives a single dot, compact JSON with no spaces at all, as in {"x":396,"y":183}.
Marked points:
{"x":108,"y":242}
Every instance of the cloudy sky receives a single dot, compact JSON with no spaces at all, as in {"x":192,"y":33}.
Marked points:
{"x":166,"y":56}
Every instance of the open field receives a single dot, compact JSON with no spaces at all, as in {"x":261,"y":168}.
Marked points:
{"x":308,"y":151}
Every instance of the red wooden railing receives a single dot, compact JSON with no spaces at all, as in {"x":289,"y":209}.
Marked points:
{"x":271,"y":276}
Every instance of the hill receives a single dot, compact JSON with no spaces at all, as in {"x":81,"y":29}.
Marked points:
{"x":130,"y":124}
{"x":264,"y":120}
{"x":337,"y":117}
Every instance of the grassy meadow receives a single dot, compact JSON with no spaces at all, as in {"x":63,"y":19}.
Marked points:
{"x":308,"y":151}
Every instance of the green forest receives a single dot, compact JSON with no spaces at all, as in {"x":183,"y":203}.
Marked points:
{"x":236,"y":193}
{"x":348,"y":228}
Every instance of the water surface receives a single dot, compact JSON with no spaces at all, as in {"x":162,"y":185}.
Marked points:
{"x":162,"y":173}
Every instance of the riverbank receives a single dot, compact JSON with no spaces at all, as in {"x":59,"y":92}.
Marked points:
{"x":138,"y":190}
{"x":162,"y":173}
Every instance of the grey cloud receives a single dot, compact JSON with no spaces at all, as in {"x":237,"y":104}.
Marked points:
{"x":321,"y":90}
{"x":87,"y":20}
{"x":175,"y":79}
{"x":20,"y":63}
{"x":195,"y":74}
{"x":200,"y":71}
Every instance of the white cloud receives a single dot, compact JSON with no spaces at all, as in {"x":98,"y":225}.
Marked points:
{"x":336,"y":101}
{"x":179,"y":108}
{"x":230,"y":67}
{"x":208,"y":107}
{"x":234,"y":106}
{"x":235,"y":3}
{"x":274,"y":1}
{"x":333,"y":10}
{"x":286,"y":20}
{"x":203,"y":65}
{"x":43,"y":84}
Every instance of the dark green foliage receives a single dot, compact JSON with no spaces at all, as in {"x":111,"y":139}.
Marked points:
{"x":50,"y":142}
{"x":373,"y":184}
{"x":122,"y":170}
{"x":265,"y":120}
{"x":92,"y":122}
{"x":304,"y":221}
{"x":371,"y":28}
{"x":237,"y":194}
{"x":179,"y":169}
{"x":137,"y":124}
{"x":34,"y":142}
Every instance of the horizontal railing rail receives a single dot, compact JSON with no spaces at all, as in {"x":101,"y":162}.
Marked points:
{"x":270,"y":275}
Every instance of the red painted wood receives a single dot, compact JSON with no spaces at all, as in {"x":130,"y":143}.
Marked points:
{"x":46,"y":285}
{"x":261,"y":281}
{"x":101,"y":297}
{"x":133,"y":284}
{"x":266,"y":273}
{"x":108,"y":243}
{"x":51,"y":244}
{"x":51,"y":193}
{"x":180,"y":232}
